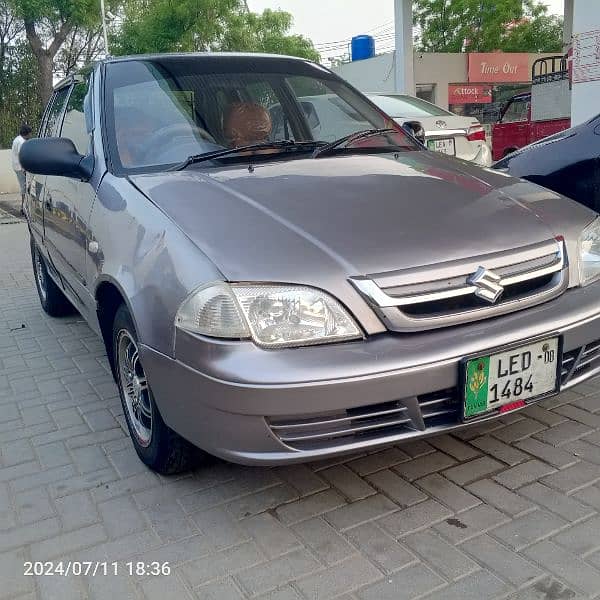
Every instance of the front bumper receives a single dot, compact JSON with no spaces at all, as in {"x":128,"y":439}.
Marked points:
{"x":256,"y":406}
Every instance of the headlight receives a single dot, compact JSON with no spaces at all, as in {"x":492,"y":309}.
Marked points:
{"x":589,"y":253}
{"x":272,"y":315}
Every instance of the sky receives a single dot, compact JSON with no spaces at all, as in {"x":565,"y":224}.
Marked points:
{"x":328,"y":21}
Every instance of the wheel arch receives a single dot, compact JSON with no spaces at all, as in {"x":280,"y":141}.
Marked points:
{"x":109,"y":297}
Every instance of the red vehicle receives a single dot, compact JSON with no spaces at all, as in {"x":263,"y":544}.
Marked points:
{"x":531,"y":116}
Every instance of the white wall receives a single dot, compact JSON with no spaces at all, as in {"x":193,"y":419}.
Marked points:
{"x":370,"y":75}
{"x":378,"y":74}
{"x":584,"y":100}
{"x":8,"y":181}
{"x":441,"y":69}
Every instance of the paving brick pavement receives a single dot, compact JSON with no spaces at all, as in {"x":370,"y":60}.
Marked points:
{"x":503,"y":510}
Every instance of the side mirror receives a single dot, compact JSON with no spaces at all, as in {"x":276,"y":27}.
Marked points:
{"x":55,"y":156}
{"x":416,"y":130}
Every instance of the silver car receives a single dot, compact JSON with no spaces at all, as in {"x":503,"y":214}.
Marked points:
{"x":272,"y":297}
{"x":463,"y":137}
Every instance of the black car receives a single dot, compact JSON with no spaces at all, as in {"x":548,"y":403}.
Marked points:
{"x":567,"y":162}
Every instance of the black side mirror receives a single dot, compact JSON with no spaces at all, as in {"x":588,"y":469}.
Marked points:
{"x":416,"y":130}
{"x":55,"y":156}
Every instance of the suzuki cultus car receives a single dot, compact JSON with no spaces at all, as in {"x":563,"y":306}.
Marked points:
{"x":274,"y":285}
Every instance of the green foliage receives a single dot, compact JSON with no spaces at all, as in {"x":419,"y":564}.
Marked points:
{"x":18,"y":93}
{"x":266,"y":32}
{"x":200,"y":25}
{"x":76,"y":12}
{"x":486,"y":25}
{"x":171,"y":25}
{"x":542,"y":34}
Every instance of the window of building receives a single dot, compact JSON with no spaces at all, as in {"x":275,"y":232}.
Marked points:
{"x":426,"y":91}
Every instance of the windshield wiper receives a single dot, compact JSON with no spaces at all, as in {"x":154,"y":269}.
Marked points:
{"x":347,"y":139}
{"x":285,"y":145}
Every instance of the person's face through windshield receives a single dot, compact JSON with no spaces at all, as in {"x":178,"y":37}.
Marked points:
{"x":246,"y":123}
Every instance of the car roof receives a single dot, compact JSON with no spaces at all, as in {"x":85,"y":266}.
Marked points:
{"x":217,"y":55}
{"x":210,"y":57}
{"x":228,"y":57}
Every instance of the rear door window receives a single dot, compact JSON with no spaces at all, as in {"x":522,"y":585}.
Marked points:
{"x":54,"y":116}
{"x":74,"y":123}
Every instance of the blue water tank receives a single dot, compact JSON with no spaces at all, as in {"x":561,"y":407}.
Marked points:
{"x":363,"y":46}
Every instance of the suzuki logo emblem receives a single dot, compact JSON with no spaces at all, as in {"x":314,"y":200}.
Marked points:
{"x":487,"y":284}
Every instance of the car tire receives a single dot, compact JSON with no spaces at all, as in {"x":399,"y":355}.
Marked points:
{"x":157,"y":445}
{"x":52,"y":298}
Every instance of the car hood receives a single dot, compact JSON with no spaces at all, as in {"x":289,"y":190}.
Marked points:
{"x":351,"y":215}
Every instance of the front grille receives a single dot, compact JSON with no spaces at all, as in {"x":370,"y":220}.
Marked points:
{"x":451,"y":294}
{"x":580,"y":363}
{"x":512,"y":293}
{"x":439,"y":408}
{"x":367,"y":423}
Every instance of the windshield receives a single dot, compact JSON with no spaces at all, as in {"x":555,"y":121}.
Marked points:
{"x":161,"y":111}
{"x":408,"y":106}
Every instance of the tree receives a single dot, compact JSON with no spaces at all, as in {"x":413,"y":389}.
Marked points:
{"x":82,"y":46}
{"x":18,"y":97}
{"x":486,"y":26}
{"x":541,"y":34}
{"x":48,"y":25}
{"x":171,"y":25}
{"x":10,"y":30}
{"x":200,"y":25}
{"x":266,"y":32}
{"x":18,"y":91}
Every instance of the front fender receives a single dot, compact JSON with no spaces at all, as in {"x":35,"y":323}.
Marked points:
{"x":152,"y":263}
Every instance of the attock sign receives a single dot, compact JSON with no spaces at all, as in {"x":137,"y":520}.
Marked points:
{"x":469,"y":94}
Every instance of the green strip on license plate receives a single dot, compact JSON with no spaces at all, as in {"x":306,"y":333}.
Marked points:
{"x":476,"y":392}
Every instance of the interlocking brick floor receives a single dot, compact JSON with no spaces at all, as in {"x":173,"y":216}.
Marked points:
{"x":508,"y":509}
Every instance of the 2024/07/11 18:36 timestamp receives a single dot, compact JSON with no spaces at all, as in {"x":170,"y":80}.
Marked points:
{"x":92,"y":568}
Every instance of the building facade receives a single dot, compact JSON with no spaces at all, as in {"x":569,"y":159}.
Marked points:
{"x":475,"y":84}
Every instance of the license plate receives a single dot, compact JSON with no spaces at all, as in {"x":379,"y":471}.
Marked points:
{"x":508,"y":380}
{"x":445,"y":146}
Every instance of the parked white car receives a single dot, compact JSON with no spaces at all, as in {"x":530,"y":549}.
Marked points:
{"x":445,"y":132}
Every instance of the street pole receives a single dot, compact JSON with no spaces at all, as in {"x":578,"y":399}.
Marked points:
{"x":104,"y":32}
{"x":404,"y":68}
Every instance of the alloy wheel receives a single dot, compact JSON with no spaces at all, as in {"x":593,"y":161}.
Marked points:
{"x":135,"y":387}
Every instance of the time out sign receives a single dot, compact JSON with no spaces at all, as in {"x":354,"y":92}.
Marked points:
{"x":499,"y":67}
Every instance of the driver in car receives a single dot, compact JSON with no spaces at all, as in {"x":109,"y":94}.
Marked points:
{"x":246,"y":123}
